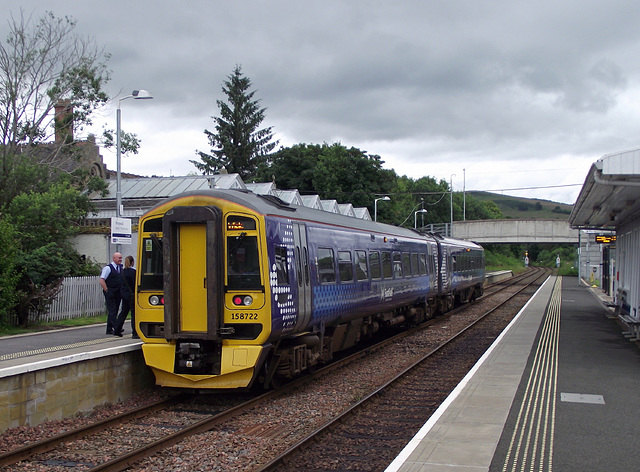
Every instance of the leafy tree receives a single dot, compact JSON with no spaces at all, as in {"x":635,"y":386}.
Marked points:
{"x":44,"y":64}
{"x":291,"y":167}
{"x":238,"y":145}
{"x":44,"y":223}
{"x":333,"y":171}
{"x":9,"y":269}
{"x":351,"y":175}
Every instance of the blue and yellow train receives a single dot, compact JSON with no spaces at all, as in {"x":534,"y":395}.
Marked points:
{"x":236,"y":289}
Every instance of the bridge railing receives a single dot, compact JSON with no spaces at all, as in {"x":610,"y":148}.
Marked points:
{"x":442,"y":228}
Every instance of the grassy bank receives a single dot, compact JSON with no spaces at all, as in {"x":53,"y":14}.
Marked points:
{"x":6,"y":330}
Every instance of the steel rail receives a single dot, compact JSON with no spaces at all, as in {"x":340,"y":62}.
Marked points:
{"x":48,"y":444}
{"x":283,"y":458}
{"x":124,"y":461}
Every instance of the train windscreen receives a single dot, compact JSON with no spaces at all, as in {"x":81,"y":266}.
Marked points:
{"x":243,"y":263}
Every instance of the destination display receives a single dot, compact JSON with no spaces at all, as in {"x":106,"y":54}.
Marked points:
{"x":605,"y":238}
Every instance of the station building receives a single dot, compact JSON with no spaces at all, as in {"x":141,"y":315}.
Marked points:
{"x":608,"y":209}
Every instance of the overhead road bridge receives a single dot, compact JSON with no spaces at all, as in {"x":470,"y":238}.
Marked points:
{"x":515,"y":231}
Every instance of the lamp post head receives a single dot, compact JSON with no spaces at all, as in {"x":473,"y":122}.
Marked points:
{"x":141,"y":95}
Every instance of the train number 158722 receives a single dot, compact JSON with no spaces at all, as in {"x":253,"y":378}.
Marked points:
{"x":244,"y":316}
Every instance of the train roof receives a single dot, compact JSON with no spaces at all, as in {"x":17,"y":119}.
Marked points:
{"x":459,"y":242}
{"x":269,"y":205}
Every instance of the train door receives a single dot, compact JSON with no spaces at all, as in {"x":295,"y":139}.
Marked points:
{"x":301,"y":260}
{"x":192,"y":277}
{"x":192,"y":272}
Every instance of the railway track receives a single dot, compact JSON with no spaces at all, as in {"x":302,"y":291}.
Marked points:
{"x":367,"y":436}
{"x":78,"y":449}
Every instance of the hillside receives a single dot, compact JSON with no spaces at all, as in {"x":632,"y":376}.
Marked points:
{"x":527,"y":208}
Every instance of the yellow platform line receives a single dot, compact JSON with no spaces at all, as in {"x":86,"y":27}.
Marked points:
{"x":531,"y":445}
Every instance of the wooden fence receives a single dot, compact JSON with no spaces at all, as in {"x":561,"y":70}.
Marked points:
{"x":78,"y":297}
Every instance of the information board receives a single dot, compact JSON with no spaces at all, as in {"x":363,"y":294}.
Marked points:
{"x":120,"y":230}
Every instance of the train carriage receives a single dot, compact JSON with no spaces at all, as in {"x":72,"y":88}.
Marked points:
{"x":236,"y":288}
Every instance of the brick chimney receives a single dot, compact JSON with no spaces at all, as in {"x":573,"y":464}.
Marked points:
{"x":63,"y":122}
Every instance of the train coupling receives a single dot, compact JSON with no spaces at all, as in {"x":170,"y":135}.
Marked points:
{"x":197,"y":358}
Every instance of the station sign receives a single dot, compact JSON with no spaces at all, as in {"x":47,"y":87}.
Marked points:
{"x":605,"y":238}
{"x":120,"y":230}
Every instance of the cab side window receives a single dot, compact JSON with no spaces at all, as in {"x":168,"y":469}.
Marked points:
{"x":282,"y":268}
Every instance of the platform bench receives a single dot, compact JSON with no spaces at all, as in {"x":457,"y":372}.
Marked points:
{"x":633,"y":327}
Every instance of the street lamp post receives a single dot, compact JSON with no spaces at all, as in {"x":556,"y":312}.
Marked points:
{"x":375,"y":206}
{"x":415,"y":217}
{"x":137,"y":95}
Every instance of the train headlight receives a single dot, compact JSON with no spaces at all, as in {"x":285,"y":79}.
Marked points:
{"x":244,"y":300}
{"x":155,"y":300}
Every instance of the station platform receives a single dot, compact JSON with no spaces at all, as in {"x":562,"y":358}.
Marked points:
{"x":35,"y":351}
{"x":558,"y":390}
{"x":55,"y":374}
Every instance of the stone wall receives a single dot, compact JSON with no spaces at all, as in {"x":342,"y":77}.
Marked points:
{"x":30,"y":398}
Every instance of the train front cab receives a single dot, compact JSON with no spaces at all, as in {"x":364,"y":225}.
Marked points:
{"x":202,"y":308}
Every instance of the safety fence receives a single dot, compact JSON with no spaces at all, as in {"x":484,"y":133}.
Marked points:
{"x":78,"y":297}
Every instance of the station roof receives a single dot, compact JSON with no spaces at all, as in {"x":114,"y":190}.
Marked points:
{"x":141,"y":193}
{"x":610,"y":196}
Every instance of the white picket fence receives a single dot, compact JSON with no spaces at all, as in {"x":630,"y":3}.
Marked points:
{"x":78,"y":297}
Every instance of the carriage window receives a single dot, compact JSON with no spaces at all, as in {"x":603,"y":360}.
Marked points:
{"x":374,"y":264}
{"x":406,"y":264}
{"x":243,"y":263}
{"x":151,"y":274}
{"x":345,"y":266}
{"x":397,"y":265}
{"x":361,"y":265}
{"x":422,"y":261}
{"x":387,"y":271}
{"x":414,"y":264}
{"x":326,"y":266}
{"x":282,"y":268}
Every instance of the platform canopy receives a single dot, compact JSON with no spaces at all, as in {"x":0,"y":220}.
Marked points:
{"x":610,"y":196}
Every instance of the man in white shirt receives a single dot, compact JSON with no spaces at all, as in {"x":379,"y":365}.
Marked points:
{"x":111,"y":281}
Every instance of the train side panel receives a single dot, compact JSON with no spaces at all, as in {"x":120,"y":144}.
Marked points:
{"x":338,"y":275}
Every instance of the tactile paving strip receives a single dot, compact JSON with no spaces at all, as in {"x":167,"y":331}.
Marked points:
{"x":17,"y":355}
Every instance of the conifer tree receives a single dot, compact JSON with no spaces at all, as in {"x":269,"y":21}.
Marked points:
{"x":238,"y":145}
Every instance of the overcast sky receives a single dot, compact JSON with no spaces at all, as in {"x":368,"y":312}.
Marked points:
{"x":505,"y":94}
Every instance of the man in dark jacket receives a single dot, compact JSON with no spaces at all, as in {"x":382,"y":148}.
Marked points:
{"x":128,"y":301}
{"x":111,"y":281}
